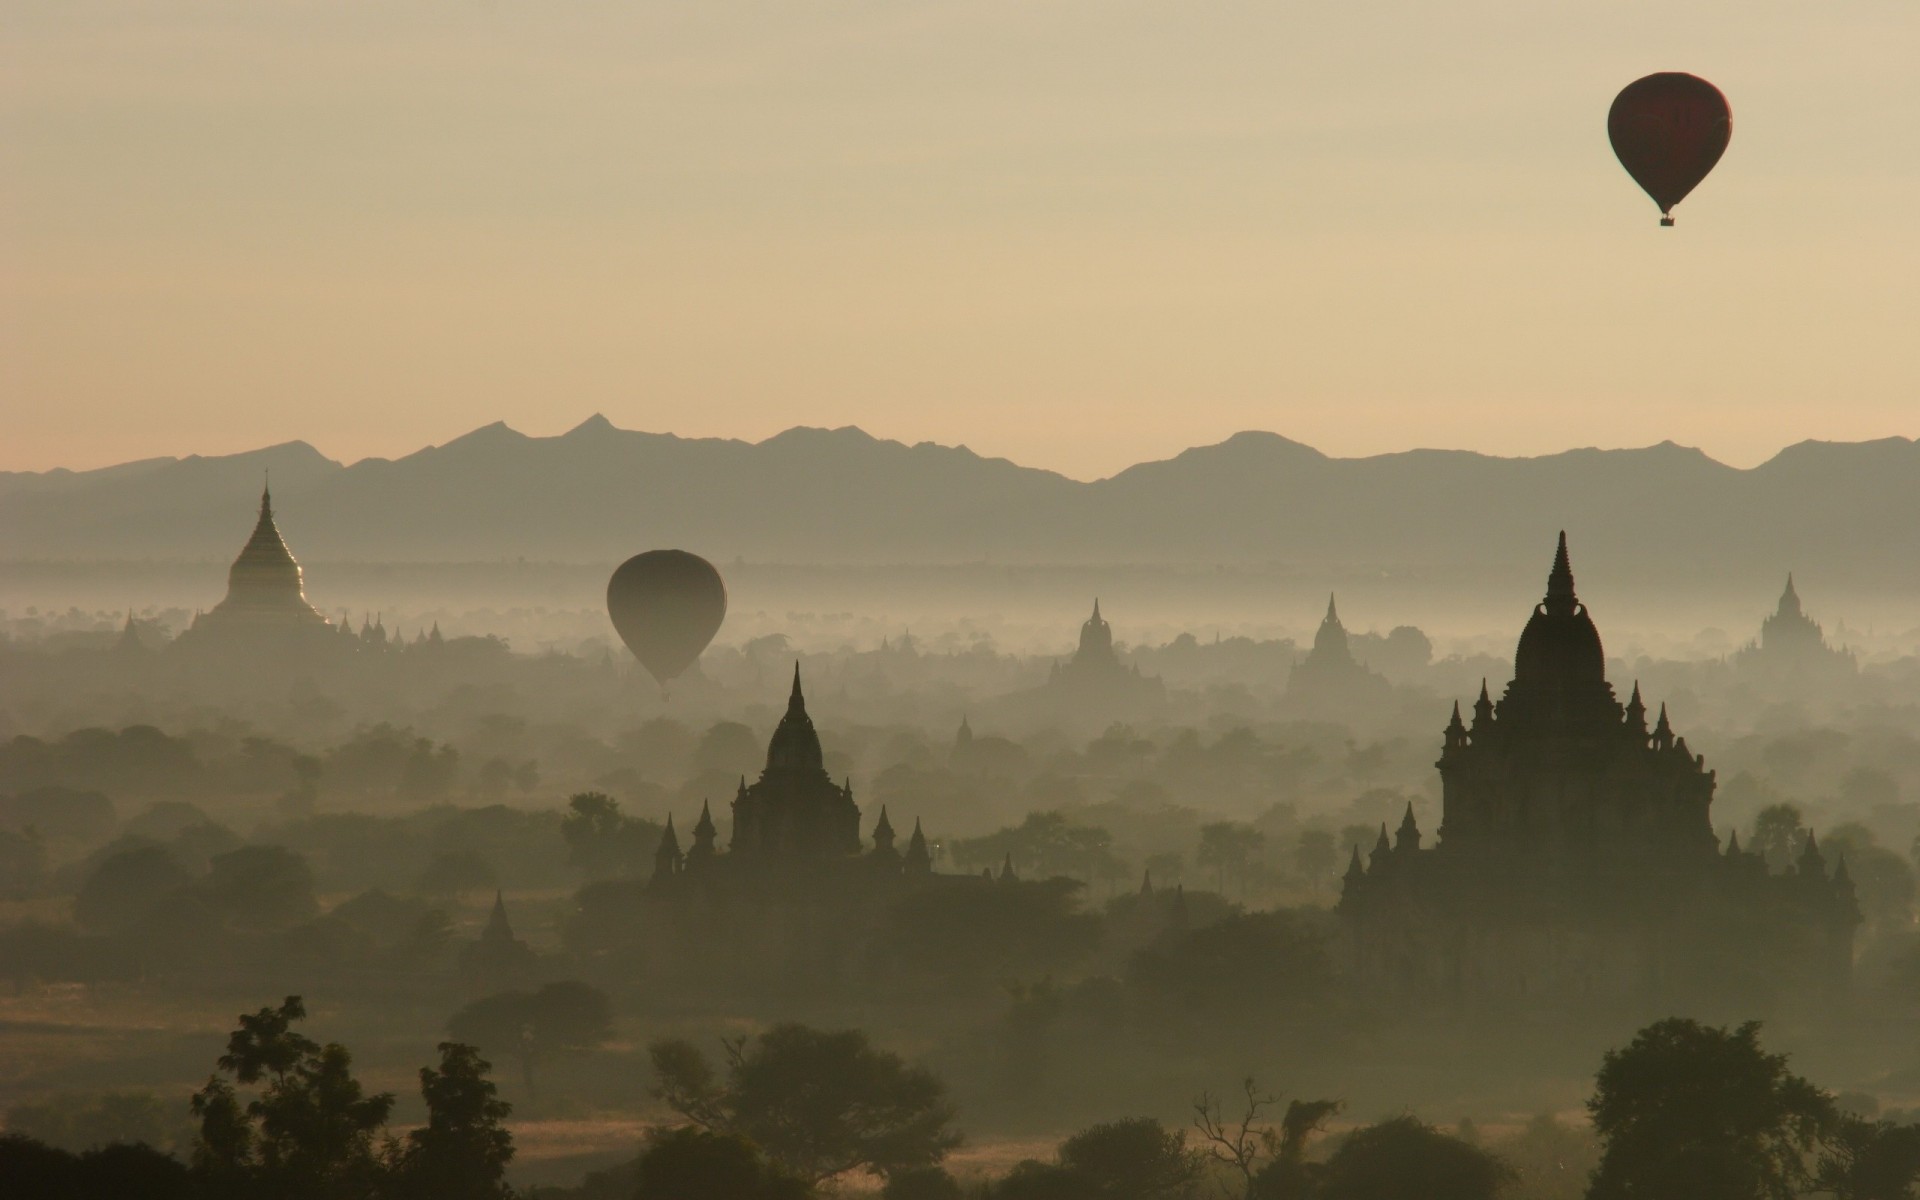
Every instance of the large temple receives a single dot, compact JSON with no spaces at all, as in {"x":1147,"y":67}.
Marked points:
{"x":795,"y":810}
{"x":793,"y":815}
{"x":1330,"y":674}
{"x":1792,"y":649}
{"x":1575,"y":859}
{"x":1094,"y":685}
{"x":266,"y":597}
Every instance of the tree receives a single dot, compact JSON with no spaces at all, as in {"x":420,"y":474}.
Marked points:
{"x":561,"y":1018}
{"x":818,"y":1103}
{"x":462,"y":1152}
{"x":1249,"y":967}
{"x":125,"y":887}
{"x":1551,"y":1160}
{"x":1228,"y":847}
{"x":1316,"y":854}
{"x":1032,"y":1179}
{"x":308,"y":1135}
{"x":690,"y":1163}
{"x":1242,"y":1144}
{"x":260,"y":887}
{"x":729,"y":748}
{"x":1134,"y":1159}
{"x":1690,"y":1110}
{"x":603,"y":842}
{"x":1869,"y":1160}
{"x":973,"y":938}
{"x":31,"y":1169}
{"x":1405,"y":1157}
{"x":428,"y":772}
{"x":1778,"y":832}
{"x":1883,"y":880}
{"x":1288,"y":1175}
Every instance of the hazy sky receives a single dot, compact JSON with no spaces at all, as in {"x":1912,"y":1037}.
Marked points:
{"x":1075,"y":234}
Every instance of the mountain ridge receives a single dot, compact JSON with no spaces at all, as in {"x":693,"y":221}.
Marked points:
{"x":597,"y":493}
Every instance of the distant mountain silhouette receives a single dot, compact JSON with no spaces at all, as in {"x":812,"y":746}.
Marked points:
{"x":1844,"y":512}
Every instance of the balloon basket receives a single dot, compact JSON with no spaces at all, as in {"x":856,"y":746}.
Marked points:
{"x":1666,"y":222}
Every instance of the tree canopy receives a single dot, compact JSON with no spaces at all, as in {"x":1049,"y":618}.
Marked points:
{"x":819,"y":1103}
{"x":1688,"y":1109}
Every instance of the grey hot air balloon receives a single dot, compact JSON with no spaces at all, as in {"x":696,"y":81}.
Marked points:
{"x":666,"y":605}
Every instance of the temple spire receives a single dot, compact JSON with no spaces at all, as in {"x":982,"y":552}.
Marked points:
{"x":918,"y":858}
{"x":1483,"y":707}
{"x":1408,"y":837}
{"x":1560,"y":598}
{"x":1790,"y":599}
{"x":667,"y":859}
{"x":1812,"y":862}
{"x":704,"y":834}
{"x":1333,"y":614}
{"x":499,"y":929}
{"x":796,"y":702}
{"x":1662,"y":730}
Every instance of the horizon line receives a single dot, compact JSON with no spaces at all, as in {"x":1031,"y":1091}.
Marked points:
{"x":598,"y":423}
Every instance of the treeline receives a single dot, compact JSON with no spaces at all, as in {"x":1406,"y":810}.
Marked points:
{"x":1684,"y":1110}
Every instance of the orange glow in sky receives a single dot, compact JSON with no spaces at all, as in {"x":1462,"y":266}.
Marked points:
{"x":1077,"y":235}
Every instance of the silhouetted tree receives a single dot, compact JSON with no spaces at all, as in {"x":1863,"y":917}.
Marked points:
{"x":603,"y":842}
{"x":1134,"y":1159}
{"x":690,"y":1163}
{"x":561,"y":1018}
{"x":31,"y":1170}
{"x":126,"y":885}
{"x":1249,"y":966}
{"x":260,"y":887}
{"x":1032,"y":1179}
{"x":1690,"y":1110}
{"x":820,"y":1104}
{"x":977,"y":936}
{"x":922,"y":1183}
{"x":1551,"y":1160}
{"x":308,"y":1135}
{"x":1405,"y":1157}
{"x":1869,"y":1160}
{"x":462,"y":1152}
{"x":1269,"y":1161}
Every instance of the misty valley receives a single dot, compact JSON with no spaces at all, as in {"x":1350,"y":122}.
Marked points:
{"x":293,"y":905}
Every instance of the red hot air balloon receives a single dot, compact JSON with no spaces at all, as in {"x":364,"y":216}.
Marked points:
{"x":666,"y":605}
{"x":1668,"y":130}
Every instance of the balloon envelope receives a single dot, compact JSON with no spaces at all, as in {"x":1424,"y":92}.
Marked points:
{"x":666,"y":605}
{"x":1668,"y":130}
